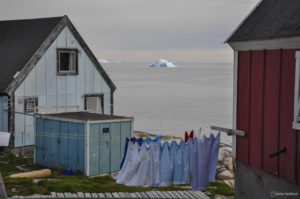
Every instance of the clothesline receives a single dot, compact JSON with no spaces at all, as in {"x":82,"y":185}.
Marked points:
{"x":165,"y":164}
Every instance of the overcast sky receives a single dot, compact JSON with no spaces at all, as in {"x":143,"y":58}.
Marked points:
{"x":145,"y":30}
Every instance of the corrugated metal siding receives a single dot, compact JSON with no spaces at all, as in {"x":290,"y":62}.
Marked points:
{"x":57,"y":90}
{"x":60,"y":144}
{"x":273,"y":131}
{"x":3,"y":113}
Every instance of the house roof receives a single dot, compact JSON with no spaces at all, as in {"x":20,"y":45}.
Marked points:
{"x":86,"y":116}
{"x":23,"y":42}
{"x":271,"y":19}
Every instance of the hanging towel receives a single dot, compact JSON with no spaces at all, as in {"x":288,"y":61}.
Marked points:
{"x":193,"y":144}
{"x":4,"y":138}
{"x":132,"y":164}
{"x":125,"y":152}
{"x":178,"y":162}
{"x":140,"y":176}
{"x":166,"y":168}
{"x":204,"y":146}
{"x":124,"y":166}
{"x":213,"y":157}
{"x":186,"y":162}
{"x":155,"y":164}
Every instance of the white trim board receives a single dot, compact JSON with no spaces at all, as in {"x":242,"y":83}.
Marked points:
{"x":280,"y":43}
{"x":234,"y":107}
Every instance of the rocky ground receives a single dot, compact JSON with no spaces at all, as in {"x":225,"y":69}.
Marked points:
{"x":225,"y":167}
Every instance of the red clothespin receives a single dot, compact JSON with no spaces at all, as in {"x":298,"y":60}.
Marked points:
{"x":186,"y":137}
{"x":192,"y":134}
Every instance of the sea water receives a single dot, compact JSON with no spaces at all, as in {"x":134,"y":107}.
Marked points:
{"x":170,"y":101}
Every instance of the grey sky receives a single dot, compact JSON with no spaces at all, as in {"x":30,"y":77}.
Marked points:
{"x":145,"y":30}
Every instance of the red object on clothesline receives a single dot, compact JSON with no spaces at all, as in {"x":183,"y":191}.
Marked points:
{"x":192,"y":134}
{"x":186,"y":137}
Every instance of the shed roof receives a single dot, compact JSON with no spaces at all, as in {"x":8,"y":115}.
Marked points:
{"x":269,"y":20}
{"x":86,"y":116}
{"x":23,"y":42}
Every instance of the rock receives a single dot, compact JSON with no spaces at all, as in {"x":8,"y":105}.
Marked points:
{"x":232,"y":183}
{"x":225,"y":175}
{"x":228,"y":163}
{"x":229,"y":183}
{"x":221,"y":155}
{"x":221,"y":170}
{"x":229,"y":149}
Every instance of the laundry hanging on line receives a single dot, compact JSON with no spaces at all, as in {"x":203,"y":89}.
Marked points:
{"x":203,"y":160}
{"x":4,"y":138}
{"x":163,"y":164}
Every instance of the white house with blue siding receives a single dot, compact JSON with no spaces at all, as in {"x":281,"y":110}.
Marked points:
{"x":46,"y":67}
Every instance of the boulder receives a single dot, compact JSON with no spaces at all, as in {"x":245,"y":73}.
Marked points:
{"x":225,"y":175}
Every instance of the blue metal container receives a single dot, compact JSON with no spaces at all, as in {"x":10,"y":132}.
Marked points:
{"x":83,"y":142}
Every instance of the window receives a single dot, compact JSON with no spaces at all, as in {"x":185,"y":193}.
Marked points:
{"x":296,"y":122}
{"x":67,"y":61}
{"x":30,"y":105}
{"x":94,"y":103}
{"x":105,"y":130}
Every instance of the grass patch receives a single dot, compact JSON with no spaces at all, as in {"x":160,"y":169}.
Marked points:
{"x":219,"y":188}
{"x":58,"y":182}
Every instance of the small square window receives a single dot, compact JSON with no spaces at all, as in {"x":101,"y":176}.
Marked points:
{"x":105,"y":130}
{"x":30,"y":105}
{"x":67,"y":60}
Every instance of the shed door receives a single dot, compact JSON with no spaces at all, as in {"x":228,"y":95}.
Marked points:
{"x":94,"y":149}
{"x":115,"y":146}
{"x":105,"y":148}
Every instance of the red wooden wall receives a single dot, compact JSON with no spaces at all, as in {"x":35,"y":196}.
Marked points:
{"x":265,"y":105}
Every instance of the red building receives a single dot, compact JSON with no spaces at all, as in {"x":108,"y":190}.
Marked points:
{"x":267,"y":100}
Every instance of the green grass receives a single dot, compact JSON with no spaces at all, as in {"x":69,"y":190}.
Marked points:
{"x":219,"y":188}
{"x":58,"y":182}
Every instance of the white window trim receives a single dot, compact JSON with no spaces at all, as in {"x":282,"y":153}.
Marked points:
{"x":296,"y":122}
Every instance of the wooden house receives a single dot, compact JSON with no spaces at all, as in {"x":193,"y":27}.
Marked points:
{"x":266,"y":100}
{"x":46,"y":67}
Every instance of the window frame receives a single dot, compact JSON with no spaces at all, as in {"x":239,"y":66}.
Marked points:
{"x":296,"y":121}
{"x":101,"y":95}
{"x":70,"y":50}
{"x":34,"y":110}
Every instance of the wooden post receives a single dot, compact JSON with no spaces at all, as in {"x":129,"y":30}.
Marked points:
{"x":2,"y":189}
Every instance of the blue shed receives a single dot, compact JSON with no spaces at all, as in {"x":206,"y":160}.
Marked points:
{"x":87,"y":143}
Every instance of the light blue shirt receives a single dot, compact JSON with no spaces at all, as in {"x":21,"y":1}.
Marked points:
{"x":166,"y":166}
{"x":186,"y":162}
{"x":141,"y":173}
{"x":132,"y":164}
{"x":213,"y":158}
{"x":177,"y":150}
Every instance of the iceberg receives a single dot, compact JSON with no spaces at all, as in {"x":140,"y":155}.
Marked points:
{"x":162,"y":63}
{"x":103,"y":61}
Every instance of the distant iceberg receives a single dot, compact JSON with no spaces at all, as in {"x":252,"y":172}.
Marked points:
{"x":162,"y":63}
{"x":103,"y":61}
